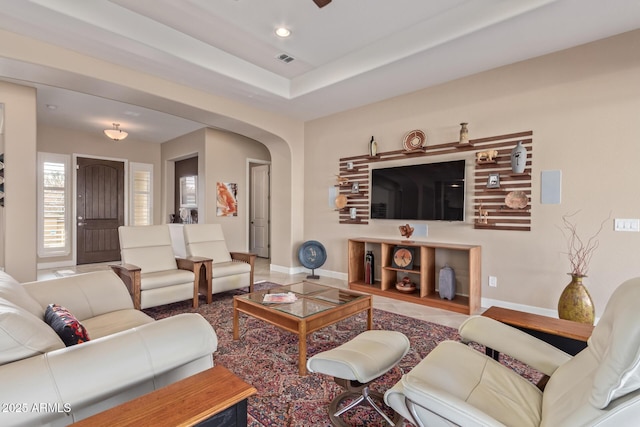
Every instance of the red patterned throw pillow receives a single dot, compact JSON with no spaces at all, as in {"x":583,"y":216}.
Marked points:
{"x":68,"y":328}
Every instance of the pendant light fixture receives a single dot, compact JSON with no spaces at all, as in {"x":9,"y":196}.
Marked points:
{"x":116,"y":133}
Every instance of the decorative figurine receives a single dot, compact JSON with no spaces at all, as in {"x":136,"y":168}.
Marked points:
{"x":373,"y":147}
{"x":464,"y":133}
{"x":406,"y":231}
{"x":518,"y":158}
{"x":483,"y":215}
{"x":488,"y":155}
{"x":369,"y":266}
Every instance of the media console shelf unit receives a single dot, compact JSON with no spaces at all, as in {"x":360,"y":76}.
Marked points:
{"x":428,"y":259}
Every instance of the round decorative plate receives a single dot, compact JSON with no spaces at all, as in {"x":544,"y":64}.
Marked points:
{"x":312,"y":254}
{"x":414,"y":140}
{"x":516,"y":200}
{"x":341,"y":201}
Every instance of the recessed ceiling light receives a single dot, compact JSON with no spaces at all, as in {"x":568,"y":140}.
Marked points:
{"x":283,"y":32}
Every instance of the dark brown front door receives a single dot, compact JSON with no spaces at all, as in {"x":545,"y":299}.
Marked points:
{"x":100,"y":209}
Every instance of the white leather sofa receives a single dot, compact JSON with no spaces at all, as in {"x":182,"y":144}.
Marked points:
{"x":129,"y":354}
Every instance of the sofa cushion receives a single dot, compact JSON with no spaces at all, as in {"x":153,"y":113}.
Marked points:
{"x":206,"y":240}
{"x":23,"y":335}
{"x":162,"y":279}
{"x":116,"y":321}
{"x":148,"y":247}
{"x":86,"y":295}
{"x":231,"y":268}
{"x":65,"y":324}
{"x":13,"y":291}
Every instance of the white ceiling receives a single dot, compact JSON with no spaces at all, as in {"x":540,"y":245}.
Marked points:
{"x":347,"y":54}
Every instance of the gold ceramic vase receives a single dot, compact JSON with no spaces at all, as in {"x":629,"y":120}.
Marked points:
{"x":575,"y":302}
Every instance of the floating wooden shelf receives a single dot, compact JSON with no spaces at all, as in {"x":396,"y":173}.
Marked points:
{"x":487,"y":197}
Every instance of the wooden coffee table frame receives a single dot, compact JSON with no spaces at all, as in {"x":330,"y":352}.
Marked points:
{"x":302,"y":325}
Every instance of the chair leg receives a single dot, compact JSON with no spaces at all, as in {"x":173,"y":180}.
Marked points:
{"x":364,"y":395}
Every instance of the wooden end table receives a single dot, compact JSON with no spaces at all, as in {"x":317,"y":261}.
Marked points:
{"x":570,"y":337}
{"x":196,"y":400}
{"x":316,"y":306}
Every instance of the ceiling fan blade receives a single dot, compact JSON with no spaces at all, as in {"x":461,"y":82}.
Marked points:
{"x":321,"y":3}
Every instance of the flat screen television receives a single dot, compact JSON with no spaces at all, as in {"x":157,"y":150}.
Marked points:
{"x":430,"y":191}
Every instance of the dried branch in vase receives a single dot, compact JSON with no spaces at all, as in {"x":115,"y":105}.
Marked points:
{"x":579,"y":250}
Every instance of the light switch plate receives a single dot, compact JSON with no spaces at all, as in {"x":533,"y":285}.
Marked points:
{"x":621,"y":224}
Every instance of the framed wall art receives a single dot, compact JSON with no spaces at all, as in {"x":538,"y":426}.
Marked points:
{"x":226,"y":199}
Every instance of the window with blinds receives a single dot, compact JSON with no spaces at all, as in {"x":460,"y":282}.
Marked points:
{"x":141,"y":203}
{"x":53,"y":200}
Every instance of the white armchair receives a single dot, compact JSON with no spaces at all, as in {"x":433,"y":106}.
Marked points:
{"x":457,"y":385}
{"x":153,"y":275}
{"x":229,"y":270}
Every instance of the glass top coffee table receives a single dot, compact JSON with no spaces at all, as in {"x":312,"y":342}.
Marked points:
{"x":315,"y":307}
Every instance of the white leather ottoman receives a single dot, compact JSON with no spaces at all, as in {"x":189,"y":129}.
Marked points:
{"x":357,"y":363}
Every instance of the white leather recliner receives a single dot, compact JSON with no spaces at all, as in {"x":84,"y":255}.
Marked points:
{"x":153,"y":275}
{"x":458,"y":385}
{"x":229,"y":270}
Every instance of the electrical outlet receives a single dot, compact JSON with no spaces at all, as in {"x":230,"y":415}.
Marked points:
{"x":493,"y":281}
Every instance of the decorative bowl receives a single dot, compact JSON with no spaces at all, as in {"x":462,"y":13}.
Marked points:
{"x":406,"y":288}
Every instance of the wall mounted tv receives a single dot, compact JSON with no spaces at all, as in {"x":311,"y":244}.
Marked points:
{"x":430,"y":191}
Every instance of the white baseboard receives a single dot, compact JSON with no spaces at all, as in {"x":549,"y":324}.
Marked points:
{"x":51,"y":265}
{"x":300,"y":269}
{"x":282,"y":269}
{"x":484,"y":302}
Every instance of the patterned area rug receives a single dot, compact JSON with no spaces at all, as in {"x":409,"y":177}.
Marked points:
{"x":267,"y":358}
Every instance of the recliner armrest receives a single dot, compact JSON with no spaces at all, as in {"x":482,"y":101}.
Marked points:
{"x":247,"y":257}
{"x":130,"y":275}
{"x":518,"y":344}
{"x":202,"y":283}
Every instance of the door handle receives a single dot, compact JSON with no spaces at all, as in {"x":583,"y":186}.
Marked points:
{"x":81,"y":223}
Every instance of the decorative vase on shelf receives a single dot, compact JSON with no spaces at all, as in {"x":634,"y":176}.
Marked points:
{"x":518,"y":158}
{"x":464,"y":133}
{"x":373,"y":147}
{"x":369,"y":266}
{"x":575,"y":303}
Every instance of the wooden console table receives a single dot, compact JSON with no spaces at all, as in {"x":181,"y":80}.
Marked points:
{"x":215,"y":397}
{"x":570,"y":337}
{"x":428,"y":256}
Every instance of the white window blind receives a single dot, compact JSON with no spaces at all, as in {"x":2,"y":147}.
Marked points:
{"x":141,"y":194}
{"x":53,"y":205}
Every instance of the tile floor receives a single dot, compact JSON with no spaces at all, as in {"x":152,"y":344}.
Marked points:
{"x":262,"y":272}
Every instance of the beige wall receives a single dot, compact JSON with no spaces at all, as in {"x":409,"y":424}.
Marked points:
{"x":19,"y":233}
{"x":582,"y":106}
{"x":222,"y":157}
{"x":84,"y":144}
{"x":283,"y":136}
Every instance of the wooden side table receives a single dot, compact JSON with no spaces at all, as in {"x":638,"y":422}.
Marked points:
{"x":215,"y":397}
{"x":570,"y":337}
